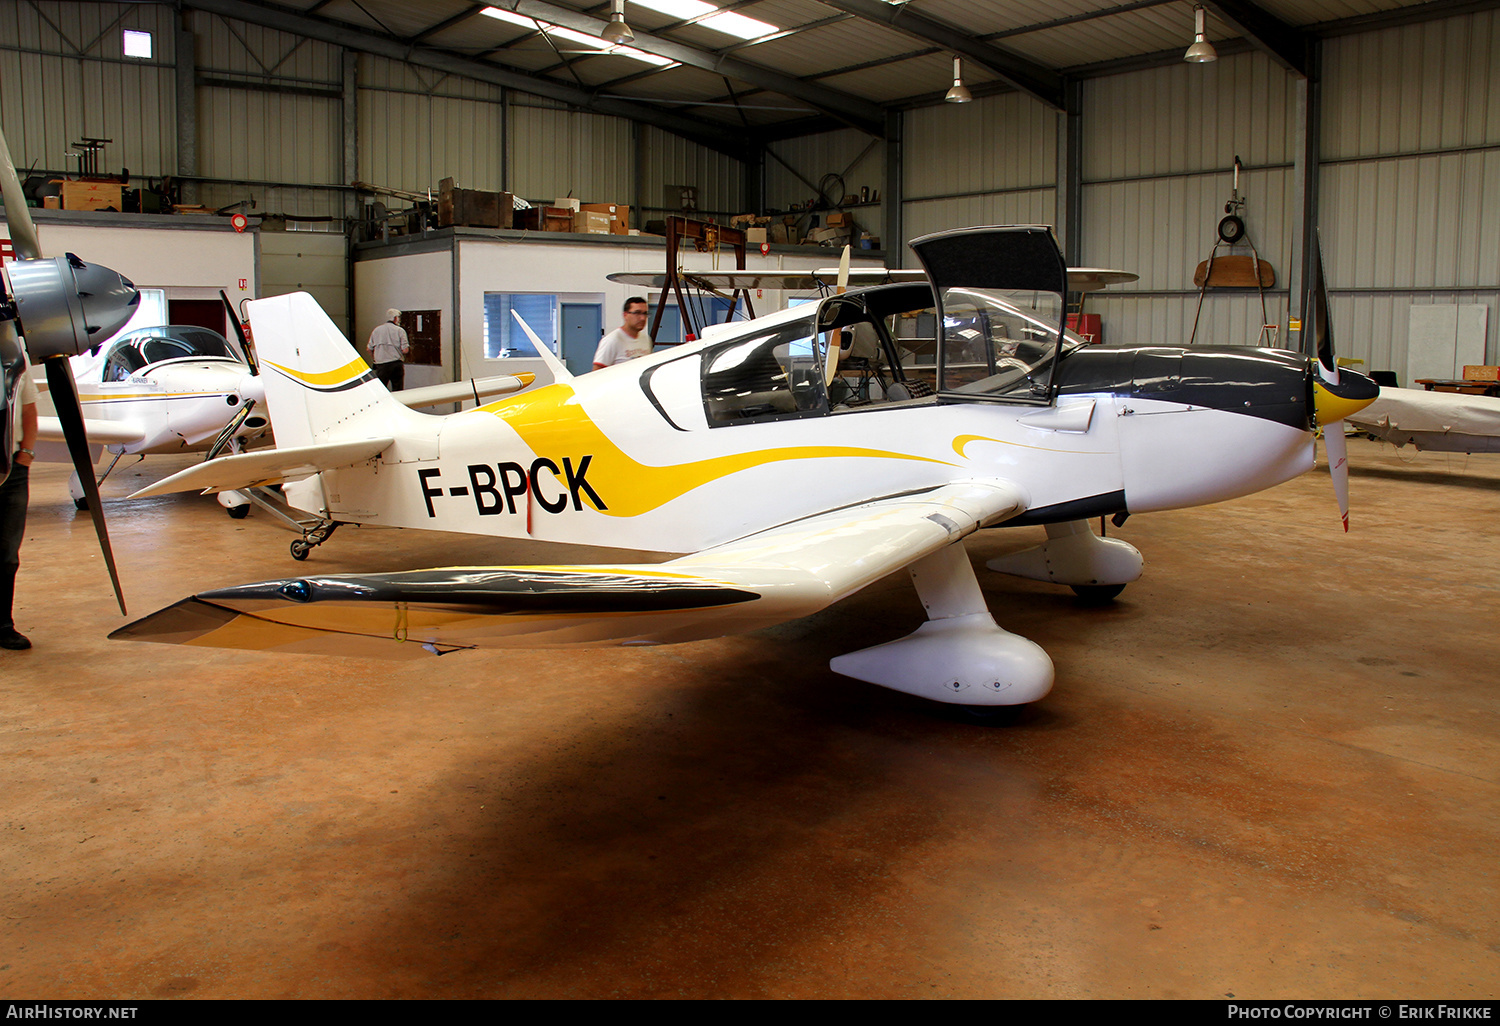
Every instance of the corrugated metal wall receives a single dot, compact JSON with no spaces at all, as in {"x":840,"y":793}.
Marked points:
{"x":993,"y":161}
{"x":667,"y":159}
{"x":63,"y":76}
{"x":560,"y":152}
{"x":1411,"y":179}
{"x":1157,"y":154}
{"x":417,"y":127}
{"x":259,"y":136}
{"x":285,"y":125}
{"x":847,"y":153}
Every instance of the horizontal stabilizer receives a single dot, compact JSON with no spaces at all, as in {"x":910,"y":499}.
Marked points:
{"x":767,"y":578}
{"x":266,"y":467}
{"x":477,"y":389}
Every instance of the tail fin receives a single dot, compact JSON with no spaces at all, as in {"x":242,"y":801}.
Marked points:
{"x":314,"y":379}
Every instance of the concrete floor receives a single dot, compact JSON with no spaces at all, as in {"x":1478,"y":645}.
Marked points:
{"x":1271,"y":770}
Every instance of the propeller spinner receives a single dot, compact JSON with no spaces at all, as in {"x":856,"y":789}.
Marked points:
{"x":59,"y":307}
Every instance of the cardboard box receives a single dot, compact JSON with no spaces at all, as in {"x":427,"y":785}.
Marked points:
{"x":91,"y":195}
{"x":619,"y":215}
{"x":784,"y":234}
{"x":756,"y":236}
{"x":591,"y":222}
{"x":567,"y":203}
{"x":836,"y":218}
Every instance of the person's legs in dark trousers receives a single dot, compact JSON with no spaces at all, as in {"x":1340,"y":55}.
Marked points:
{"x":13,"y":495}
{"x":392,"y":375}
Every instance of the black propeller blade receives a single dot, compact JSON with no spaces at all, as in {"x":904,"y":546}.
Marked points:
{"x":62,"y":307}
{"x":239,"y":333}
{"x":70,"y":412}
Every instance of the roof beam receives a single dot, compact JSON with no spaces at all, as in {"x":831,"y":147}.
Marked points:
{"x":1025,"y":74}
{"x":862,"y":114}
{"x":432,"y":30}
{"x":286,"y":19}
{"x":1285,"y":44}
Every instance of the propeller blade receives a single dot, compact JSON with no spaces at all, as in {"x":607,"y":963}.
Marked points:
{"x":1322,"y":333}
{"x":1336,"y":394}
{"x":23,"y":237}
{"x":836,"y":341}
{"x":1338,"y":466}
{"x":239,"y":333}
{"x":70,"y":412}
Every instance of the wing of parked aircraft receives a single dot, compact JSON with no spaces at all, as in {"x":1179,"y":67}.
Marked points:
{"x":769,"y":577}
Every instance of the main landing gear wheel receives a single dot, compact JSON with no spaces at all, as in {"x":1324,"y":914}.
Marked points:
{"x":1096,"y":594}
{"x":238,"y":512}
{"x":300,"y":549}
{"x":82,"y":504}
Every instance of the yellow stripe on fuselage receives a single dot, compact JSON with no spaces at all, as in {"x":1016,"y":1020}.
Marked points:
{"x":348,"y":372}
{"x":551,"y":420}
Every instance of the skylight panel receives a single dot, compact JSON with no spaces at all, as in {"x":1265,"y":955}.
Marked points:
{"x":739,"y":26}
{"x":727,"y":22}
{"x":683,"y":9}
{"x":580,"y":38}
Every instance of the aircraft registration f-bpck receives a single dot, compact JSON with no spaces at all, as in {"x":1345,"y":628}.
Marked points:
{"x":743,"y":450}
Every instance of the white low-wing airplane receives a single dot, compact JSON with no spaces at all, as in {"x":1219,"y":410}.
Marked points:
{"x":730,"y":449}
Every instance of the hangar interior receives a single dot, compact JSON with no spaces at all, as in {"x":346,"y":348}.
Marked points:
{"x":1270,"y":769}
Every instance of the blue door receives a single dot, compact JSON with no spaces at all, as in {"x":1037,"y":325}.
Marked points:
{"x":582,"y":327}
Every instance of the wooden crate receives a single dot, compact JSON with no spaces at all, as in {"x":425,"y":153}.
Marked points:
{"x":91,"y":195}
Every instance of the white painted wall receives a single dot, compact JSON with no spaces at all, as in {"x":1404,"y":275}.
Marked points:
{"x":191,"y":263}
{"x":578,"y":266}
{"x":419,"y":281}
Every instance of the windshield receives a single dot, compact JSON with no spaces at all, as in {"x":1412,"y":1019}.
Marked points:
{"x":999,"y":343}
{"x":167,"y":342}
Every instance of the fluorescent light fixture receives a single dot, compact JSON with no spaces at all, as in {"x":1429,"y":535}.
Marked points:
{"x":137,"y":43}
{"x":604,"y":46}
{"x":727,"y":22}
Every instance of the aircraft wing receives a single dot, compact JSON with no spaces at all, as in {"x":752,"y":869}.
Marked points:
{"x":266,"y":467}
{"x":1080,"y":279}
{"x":459,"y":391}
{"x":100,"y":432}
{"x":766,"y":578}
{"x":1440,"y":421}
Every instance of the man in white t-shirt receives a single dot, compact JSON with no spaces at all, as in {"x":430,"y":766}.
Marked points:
{"x":13,"y":495}
{"x":388,"y":348}
{"x":629,"y":340}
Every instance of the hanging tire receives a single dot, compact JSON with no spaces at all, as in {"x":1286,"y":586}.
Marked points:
{"x":1231,"y":229}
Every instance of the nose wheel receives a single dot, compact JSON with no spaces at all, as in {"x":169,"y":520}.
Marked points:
{"x":300,"y":547}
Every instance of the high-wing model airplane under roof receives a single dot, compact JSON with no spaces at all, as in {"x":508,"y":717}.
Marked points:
{"x":788,"y":494}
